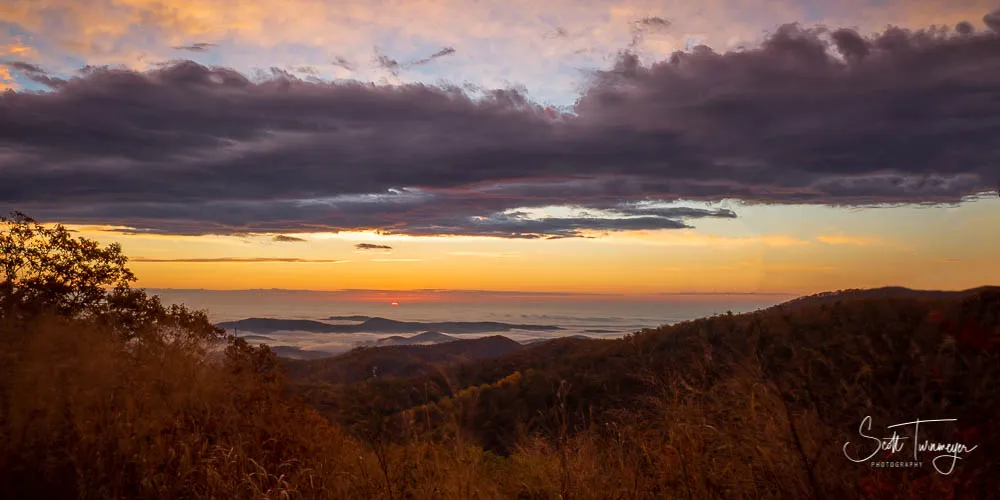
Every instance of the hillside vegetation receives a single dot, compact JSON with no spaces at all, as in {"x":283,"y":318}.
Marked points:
{"x":106,"y":393}
{"x":752,"y":405}
{"x":399,"y":361}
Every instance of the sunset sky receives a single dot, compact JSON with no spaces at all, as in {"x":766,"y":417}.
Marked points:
{"x":619,"y":147}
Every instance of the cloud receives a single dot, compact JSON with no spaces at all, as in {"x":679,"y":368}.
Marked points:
{"x":817,"y":116}
{"x":242,"y":260}
{"x":387,"y":63}
{"x":196,"y":47}
{"x":446,"y":51}
{"x":23,"y":66}
{"x":372,"y":246}
{"x":513,"y":226}
{"x":992,"y":20}
{"x":394,"y":67}
{"x":674,"y":212}
{"x":35,"y":73}
{"x":499,"y":37}
{"x":641,"y":27}
{"x":281,"y":238}
{"x":343,"y":63}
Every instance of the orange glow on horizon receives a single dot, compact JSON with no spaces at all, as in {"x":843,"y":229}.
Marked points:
{"x":769,"y":250}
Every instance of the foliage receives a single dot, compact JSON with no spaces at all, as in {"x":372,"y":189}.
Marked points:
{"x":45,"y":269}
{"x":48,"y":267}
{"x":754,"y":405}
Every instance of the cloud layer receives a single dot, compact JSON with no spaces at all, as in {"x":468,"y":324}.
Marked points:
{"x":372,"y":246}
{"x":810,"y":116}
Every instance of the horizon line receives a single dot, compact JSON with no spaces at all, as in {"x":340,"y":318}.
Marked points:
{"x":470,"y":291}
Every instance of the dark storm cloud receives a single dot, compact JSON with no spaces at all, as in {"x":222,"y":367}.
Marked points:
{"x":372,"y":246}
{"x":810,"y":116}
{"x":196,"y":47}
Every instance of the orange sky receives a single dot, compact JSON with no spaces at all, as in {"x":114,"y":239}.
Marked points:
{"x":791,"y":249}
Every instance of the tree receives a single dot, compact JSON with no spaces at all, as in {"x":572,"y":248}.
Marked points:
{"x":47,"y":269}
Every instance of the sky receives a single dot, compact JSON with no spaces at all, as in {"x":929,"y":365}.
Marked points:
{"x":596,"y":147}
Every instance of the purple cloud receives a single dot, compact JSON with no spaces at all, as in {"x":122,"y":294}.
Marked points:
{"x":810,"y":116}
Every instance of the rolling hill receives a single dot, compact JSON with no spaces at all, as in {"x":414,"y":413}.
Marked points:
{"x":419,"y":339}
{"x":399,"y":361}
{"x":795,"y":378}
{"x":888,"y":292}
{"x":376,"y":325}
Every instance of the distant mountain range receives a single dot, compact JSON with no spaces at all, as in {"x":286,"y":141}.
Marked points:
{"x":257,"y":338}
{"x":375,"y":325}
{"x":292,"y":352}
{"x":463,"y":348}
{"x":419,"y":339}
{"x":888,"y":292}
{"x":539,"y":341}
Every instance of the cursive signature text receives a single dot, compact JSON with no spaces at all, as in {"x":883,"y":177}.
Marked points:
{"x":947,"y":454}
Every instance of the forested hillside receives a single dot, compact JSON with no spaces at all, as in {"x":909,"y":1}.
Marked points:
{"x":783,"y":388}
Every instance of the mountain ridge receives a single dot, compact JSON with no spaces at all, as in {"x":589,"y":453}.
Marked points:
{"x":378,"y":325}
{"x":399,"y":361}
{"x":429,"y":337}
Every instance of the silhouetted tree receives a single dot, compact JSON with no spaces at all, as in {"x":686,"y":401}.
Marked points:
{"x":47,"y":269}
